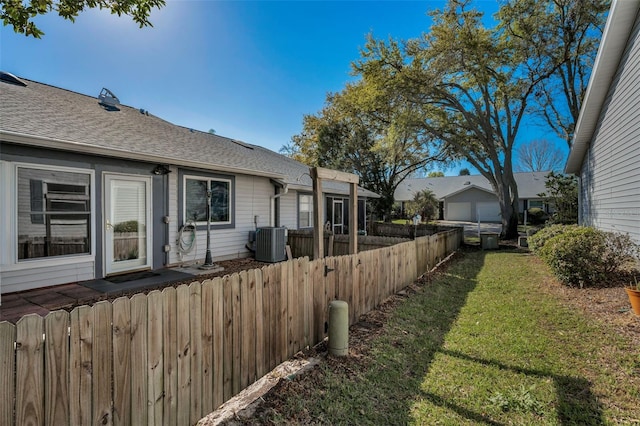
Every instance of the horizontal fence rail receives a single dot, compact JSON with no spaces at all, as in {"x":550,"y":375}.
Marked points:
{"x":173,"y":356}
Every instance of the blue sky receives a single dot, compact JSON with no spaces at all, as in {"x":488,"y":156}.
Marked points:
{"x":248,"y":69}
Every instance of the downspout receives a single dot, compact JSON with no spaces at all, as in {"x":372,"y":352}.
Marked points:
{"x":272,"y":219}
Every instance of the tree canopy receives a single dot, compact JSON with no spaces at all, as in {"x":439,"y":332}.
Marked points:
{"x":566,"y":34}
{"x":475,"y":84}
{"x":562,"y":193}
{"x":425,"y":204}
{"x":20,"y":14}
{"x":369,"y":130}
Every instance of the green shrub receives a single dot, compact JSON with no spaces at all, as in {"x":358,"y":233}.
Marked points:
{"x":128,"y":226}
{"x":538,"y":239}
{"x":536,"y":216}
{"x":585,"y":256}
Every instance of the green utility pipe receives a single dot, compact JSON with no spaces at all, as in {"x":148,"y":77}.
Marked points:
{"x":338,"y":328}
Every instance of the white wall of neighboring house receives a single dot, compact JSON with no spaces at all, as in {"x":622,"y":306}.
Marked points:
{"x":463,"y":206}
{"x":610,"y":176}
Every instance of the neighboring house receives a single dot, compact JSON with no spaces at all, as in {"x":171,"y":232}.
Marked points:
{"x":91,"y":188}
{"x":467,"y":198}
{"x":606,"y":144}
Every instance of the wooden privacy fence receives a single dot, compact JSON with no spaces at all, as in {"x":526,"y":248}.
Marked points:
{"x":406,"y":231}
{"x":301,"y":243}
{"x":173,"y":356}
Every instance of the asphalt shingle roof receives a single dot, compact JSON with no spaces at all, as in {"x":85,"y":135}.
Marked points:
{"x":58,"y":118}
{"x":530,"y":184}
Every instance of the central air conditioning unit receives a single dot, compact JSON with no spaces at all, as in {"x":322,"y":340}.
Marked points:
{"x":270,"y":244}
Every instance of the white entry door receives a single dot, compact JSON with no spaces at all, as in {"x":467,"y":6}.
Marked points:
{"x":127,"y":223}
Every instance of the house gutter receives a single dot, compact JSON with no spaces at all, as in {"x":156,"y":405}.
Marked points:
{"x":79,"y":147}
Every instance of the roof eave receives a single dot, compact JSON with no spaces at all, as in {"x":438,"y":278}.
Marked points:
{"x":79,"y":147}
{"x":622,"y":16}
{"x":467,"y":187}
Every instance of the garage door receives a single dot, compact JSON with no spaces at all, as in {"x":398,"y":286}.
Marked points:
{"x":459,"y":211}
{"x":489,"y":211}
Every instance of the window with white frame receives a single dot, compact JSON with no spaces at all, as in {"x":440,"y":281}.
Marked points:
{"x":195,"y":200}
{"x":305,"y":211}
{"x":54,"y":212}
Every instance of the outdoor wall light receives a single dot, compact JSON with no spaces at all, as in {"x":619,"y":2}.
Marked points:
{"x":161,"y":170}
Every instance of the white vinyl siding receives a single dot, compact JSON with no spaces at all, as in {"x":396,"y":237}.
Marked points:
{"x":289,"y":210}
{"x":610,"y":177}
{"x":36,"y":276}
{"x":252,"y":201}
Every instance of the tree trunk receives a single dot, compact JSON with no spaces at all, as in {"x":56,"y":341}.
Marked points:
{"x":507,"y":191}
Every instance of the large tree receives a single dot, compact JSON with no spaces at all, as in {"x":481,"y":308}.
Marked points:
{"x":20,"y":14}
{"x":368,"y":130}
{"x":566,"y":33}
{"x":474,"y":84}
{"x":539,"y":155}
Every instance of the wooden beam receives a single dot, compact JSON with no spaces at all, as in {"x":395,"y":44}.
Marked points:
{"x":318,"y":216}
{"x":353,"y":218}
{"x":329,"y":174}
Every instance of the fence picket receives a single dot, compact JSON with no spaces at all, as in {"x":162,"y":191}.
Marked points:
{"x":262,"y":347}
{"x":237,"y":335}
{"x":81,"y":365}
{"x":207,"y":346}
{"x":317,"y":306}
{"x":270,"y":310}
{"x":195,"y":362}
{"x":170,"y":355}
{"x":184,"y":355}
{"x":121,"y":358}
{"x":7,"y":369}
{"x":102,"y":366}
{"x":307,"y":302}
{"x":218,"y":342}
{"x":139,"y":346}
{"x":56,"y":352}
{"x":30,"y":371}
{"x":228,"y":339}
{"x":247,"y":329}
{"x":155,"y":362}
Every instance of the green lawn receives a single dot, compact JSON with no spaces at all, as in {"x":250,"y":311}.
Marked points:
{"x":480,"y":344}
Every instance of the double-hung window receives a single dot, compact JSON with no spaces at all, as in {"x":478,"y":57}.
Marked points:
{"x":305,"y":211}
{"x":54,"y":212}
{"x":196,"y":191}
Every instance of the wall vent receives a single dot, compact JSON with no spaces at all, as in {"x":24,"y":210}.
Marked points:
{"x":270,"y":244}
